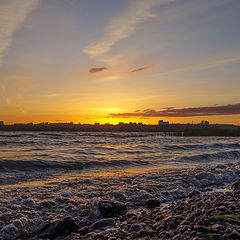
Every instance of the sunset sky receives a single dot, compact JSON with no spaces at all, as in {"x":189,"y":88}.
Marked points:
{"x":113,"y":61}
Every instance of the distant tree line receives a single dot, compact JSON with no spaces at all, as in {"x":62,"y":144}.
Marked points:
{"x":212,"y":131}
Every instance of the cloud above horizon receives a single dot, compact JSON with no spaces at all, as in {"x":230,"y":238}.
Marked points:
{"x":231,"y":109}
{"x":96,"y":70}
{"x":123,"y":25}
{"x":12,"y":15}
{"x":142,"y":68}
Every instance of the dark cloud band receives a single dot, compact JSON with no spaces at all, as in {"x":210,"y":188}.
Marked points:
{"x":231,"y":109}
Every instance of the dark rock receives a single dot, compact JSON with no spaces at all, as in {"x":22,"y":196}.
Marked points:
{"x":194,"y":193}
{"x":233,"y":235}
{"x":202,"y":229}
{"x":103,"y":224}
{"x":152,"y":203}
{"x":169,"y":220}
{"x":236,"y":186}
{"x":106,"y":209}
{"x":84,"y":230}
{"x":218,"y":228}
{"x":134,"y":234}
{"x":109,"y":209}
{"x":119,"y":208}
{"x":192,"y":234}
{"x":10,"y":231}
{"x":47,"y":204}
{"x":144,"y":233}
{"x":57,"y":228}
{"x":211,"y":236}
{"x":29,"y":202}
{"x":135,"y":227}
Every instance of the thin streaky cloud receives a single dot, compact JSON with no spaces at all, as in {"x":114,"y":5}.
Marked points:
{"x":142,"y":68}
{"x":12,"y":15}
{"x":53,"y":95}
{"x":231,"y":109}
{"x":96,"y":70}
{"x":189,"y":8}
{"x":205,"y":65}
{"x":124,"y":25}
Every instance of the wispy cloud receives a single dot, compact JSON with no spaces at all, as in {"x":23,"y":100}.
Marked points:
{"x":111,"y":78}
{"x":53,"y":95}
{"x":142,"y":68}
{"x":124,"y":25}
{"x":96,"y":70}
{"x":231,"y":109}
{"x":12,"y":15}
{"x":204,"y":65}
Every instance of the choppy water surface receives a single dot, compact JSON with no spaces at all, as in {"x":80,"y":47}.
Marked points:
{"x":51,"y":152}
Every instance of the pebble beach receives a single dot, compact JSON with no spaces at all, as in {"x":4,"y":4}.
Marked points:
{"x":134,"y":206}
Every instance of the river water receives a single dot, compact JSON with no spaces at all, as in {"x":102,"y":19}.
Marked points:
{"x":33,"y":155}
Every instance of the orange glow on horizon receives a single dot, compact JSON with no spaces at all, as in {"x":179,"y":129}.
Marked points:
{"x":114,"y":121}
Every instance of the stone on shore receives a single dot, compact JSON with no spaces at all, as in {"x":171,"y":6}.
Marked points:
{"x":236,"y":186}
{"x":57,"y":228}
{"x":103,"y":224}
{"x":152,"y":203}
{"x":109,"y":209}
{"x":194,"y":193}
{"x":9,"y":232}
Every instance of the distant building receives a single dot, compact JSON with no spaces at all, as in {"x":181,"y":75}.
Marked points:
{"x":43,"y":123}
{"x":204,"y":122}
{"x":162,"y":123}
{"x":1,"y":123}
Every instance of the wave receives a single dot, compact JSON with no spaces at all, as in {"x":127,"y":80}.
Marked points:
{"x":11,"y":135}
{"x":41,"y":165}
{"x":175,"y":147}
{"x":143,"y":147}
{"x":18,"y":142}
{"x":51,"y":134}
{"x":18,"y":135}
{"x":227,"y":155}
{"x":120,"y":135}
{"x":226,"y":145}
{"x":187,"y":147}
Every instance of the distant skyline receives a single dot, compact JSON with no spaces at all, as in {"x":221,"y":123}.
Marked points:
{"x":157,"y":122}
{"x":113,"y":61}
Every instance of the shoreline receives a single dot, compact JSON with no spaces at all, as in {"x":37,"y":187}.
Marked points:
{"x":29,"y":207}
